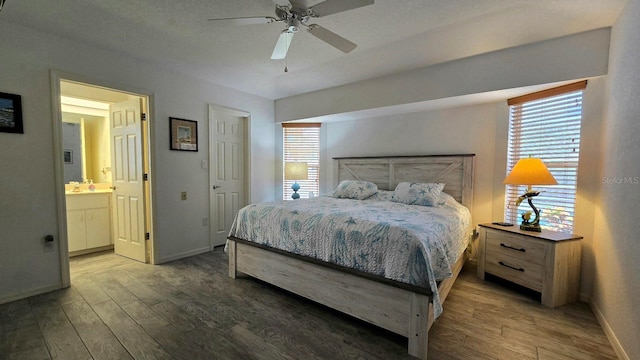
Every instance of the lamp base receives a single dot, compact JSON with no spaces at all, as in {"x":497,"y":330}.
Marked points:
{"x":527,"y":226}
{"x":295,"y":187}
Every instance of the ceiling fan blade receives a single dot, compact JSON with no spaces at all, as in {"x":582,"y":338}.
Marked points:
{"x":282,"y":3}
{"x":282,"y":46}
{"x":331,"y":38}
{"x":329,"y":7}
{"x":251,"y":20}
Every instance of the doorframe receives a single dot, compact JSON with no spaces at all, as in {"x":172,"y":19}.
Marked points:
{"x":213,"y":109}
{"x":147,"y":149}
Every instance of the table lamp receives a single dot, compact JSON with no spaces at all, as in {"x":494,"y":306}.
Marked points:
{"x":530,"y":171}
{"x":296,"y":171}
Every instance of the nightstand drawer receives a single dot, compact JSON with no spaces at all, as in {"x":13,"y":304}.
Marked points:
{"x":515,"y":269}
{"x":519,"y":247}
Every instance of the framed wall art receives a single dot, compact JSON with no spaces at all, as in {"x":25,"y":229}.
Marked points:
{"x":11,"y":113}
{"x":184,"y":134}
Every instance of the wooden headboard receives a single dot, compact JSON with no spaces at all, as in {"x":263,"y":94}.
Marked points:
{"x":386,"y":172}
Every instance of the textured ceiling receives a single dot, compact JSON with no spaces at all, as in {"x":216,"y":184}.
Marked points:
{"x":392,"y":35}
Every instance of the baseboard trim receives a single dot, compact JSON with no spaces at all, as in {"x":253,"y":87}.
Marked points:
{"x":90,"y":251}
{"x":617,"y":347}
{"x":183,"y":255}
{"x":26,"y":294}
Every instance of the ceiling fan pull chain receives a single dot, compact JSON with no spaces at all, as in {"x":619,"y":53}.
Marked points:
{"x":286,"y":57}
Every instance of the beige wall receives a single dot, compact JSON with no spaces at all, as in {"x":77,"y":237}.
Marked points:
{"x":616,"y":248}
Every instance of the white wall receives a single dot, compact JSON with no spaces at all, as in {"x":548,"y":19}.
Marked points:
{"x":464,"y":130}
{"x":571,"y":57}
{"x":27,"y":194}
{"x":616,"y":290}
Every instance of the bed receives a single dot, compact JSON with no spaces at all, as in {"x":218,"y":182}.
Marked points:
{"x":404,"y":307}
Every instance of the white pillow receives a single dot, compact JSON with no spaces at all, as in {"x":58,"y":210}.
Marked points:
{"x":424,"y":194}
{"x":355,"y":189}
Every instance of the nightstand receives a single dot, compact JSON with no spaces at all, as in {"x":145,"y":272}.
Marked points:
{"x":547,"y":262}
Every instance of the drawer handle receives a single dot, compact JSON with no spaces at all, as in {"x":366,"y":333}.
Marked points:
{"x":513,"y":248}
{"x":510,"y":267}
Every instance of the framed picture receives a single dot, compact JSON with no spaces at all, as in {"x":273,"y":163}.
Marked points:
{"x":11,"y":113}
{"x":184,"y":134}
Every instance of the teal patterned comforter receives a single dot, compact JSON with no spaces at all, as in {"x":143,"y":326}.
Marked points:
{"x":409,"y":243}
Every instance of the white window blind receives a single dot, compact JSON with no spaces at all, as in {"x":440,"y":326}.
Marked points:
{"x":301,"y":143}
{"x":546,"y":125}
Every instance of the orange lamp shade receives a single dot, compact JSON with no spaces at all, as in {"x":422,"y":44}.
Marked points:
{"x":530,"y":171}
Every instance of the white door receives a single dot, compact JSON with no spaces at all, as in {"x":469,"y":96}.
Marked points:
{"x":226,"y":171}
{"x":127,"y":178}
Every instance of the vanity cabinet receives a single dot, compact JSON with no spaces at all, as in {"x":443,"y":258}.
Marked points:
{"x":88,"y":221}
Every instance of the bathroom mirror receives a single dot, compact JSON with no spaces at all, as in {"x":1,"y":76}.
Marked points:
{"x":86,"y":150}
{"x":72,"y":152}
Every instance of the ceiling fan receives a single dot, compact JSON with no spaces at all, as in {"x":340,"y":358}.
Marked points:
{"x":296,"y":14}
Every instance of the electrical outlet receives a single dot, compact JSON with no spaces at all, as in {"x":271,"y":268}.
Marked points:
{"x":205,"y":221}
{"x":48,"y":243}
{"x":183,"y":195}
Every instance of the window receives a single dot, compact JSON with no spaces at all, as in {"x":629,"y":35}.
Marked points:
{"x":301,"y":143}
{"x":546,"y":125}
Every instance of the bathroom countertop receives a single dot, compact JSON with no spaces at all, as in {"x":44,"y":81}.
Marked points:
{"x":87,"y":192}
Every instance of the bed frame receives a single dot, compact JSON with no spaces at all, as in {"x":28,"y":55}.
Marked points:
{"x":401,"y":308}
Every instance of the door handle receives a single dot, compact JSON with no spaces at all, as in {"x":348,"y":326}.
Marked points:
{"x":511,"y":267}
{"x":216,"y":187}
{"x":112,"y":187}
{"x":513,"y":248}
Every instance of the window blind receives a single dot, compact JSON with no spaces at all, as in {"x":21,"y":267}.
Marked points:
{"x":546,"y":125}
{"x":301,"y":143}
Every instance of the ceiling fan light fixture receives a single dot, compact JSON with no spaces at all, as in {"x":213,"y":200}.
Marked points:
{"x":294,"y":25}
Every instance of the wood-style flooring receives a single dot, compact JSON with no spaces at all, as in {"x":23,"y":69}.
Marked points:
{"x":190,"y":309}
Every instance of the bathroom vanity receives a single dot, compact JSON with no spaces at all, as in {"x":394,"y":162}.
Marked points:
{"x":89,"y":221}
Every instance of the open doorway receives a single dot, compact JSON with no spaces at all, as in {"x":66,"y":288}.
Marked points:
{"x":104,"y":171}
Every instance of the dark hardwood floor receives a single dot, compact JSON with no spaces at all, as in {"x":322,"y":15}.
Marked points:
{"x":190,"y":309}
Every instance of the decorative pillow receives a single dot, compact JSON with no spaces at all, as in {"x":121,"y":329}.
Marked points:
{"x":418,"y":193}
{"x":355,"y":189}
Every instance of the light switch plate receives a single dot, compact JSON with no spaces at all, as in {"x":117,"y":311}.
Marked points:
{"x":183,"y":195}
